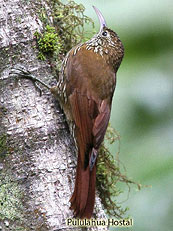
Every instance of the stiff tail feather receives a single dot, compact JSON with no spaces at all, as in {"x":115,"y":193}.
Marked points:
{"x":83,"y":198}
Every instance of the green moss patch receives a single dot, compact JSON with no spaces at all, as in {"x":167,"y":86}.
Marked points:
{"x":48,"y":42}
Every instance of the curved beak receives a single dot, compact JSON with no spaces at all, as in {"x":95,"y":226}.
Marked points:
{"x":100,"y":17}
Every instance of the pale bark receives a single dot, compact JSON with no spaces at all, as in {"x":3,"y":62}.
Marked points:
{"x":40,"y":159}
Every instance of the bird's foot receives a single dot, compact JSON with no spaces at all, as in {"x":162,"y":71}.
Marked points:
{"x":21,"y":72}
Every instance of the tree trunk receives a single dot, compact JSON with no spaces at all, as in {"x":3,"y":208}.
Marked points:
{"x":37,"y":158}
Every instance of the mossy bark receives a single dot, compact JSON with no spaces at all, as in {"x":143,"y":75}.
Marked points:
{"x":37,"y":159}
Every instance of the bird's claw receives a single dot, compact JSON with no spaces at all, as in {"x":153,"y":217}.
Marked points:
{"x":20,"y":72}
{"x":26,"y":74}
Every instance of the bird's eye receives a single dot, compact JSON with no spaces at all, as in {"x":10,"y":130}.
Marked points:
{"x":104,"y":33}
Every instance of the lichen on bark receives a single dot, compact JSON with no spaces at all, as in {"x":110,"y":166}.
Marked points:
{"x":10,"y":198}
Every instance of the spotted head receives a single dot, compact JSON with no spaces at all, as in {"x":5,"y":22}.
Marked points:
{"x":108,"y":42}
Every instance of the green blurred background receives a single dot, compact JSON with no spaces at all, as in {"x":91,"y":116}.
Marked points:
{"x":143,"y":105}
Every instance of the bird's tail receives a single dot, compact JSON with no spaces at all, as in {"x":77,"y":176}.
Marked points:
{"x":83,"y":198}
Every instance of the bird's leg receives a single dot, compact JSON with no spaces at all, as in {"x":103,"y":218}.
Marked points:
{"x":25,"y":74}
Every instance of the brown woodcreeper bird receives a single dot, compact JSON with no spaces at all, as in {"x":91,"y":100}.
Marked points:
{"x":85,"y":90}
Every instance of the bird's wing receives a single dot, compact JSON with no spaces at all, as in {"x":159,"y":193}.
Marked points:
{"x":84,"y":112}
{"x":101,"y":123}
{"x":91,"y":119}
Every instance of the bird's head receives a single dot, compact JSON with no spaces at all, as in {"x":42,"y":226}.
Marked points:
{"x":109,"y":40}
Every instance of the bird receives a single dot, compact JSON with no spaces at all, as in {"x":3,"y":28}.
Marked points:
{"x":85,"y":89}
